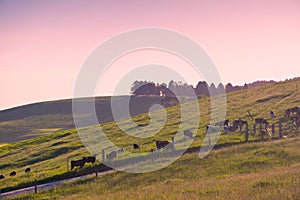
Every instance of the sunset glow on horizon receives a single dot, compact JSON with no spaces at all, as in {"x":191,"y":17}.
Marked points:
{"x":43,"y":44}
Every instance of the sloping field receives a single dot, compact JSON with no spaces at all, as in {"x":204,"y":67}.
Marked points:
{"x":270,"y":160}
{"x":269,"y":170}
{"x":38,"y":119}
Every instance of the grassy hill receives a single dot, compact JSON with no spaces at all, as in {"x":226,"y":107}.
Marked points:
{"x":37,"y":119}
{"x":256,"y":165}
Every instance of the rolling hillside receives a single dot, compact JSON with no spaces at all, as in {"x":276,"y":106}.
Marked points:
{"x":275,"y":162}
{"x":37,"y":119}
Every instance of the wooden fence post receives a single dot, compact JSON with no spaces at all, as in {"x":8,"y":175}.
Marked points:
{"x":273,"y":130}
{"x":260,"y":127}
{"x":35,"y":186}
{"x":67,"y":163}
{"x":246,"y":133}
{"x":103,"y":155}
{"x":254,"y":128}
{"x":280,"y":130}
{"x":96,"y":170}
{"x":152,"y":154}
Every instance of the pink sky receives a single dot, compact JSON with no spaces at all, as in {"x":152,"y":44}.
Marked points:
{"x":44,"y":43}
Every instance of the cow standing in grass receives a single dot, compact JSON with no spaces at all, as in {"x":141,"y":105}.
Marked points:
{"x":90,"y":159}
{"x":77,"y":163}
{"x":162,"y":144}
{"x":229,"y":128}
{"x":13,"y":173}
{"x":27,"y":170}
{"x":272,"y":114}
{"x":136,"y":146}
{"x":239,"y":123}
{"x":2,"y":177}
{"x":295,"y":109}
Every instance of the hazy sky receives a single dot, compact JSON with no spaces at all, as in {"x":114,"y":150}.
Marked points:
{"x":44,"y":43}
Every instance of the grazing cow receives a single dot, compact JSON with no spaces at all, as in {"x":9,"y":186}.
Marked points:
{"x":188,"y":133}
{"x":27,"y":170}
{"x":242,"y":122}
{"x":2,"y":177}
{"x":272,"y":114}
{"x":111,"y":156}
{"x":136,"y":146}
{"x":121,"y":150}
{"x":13,"y":173}
{"x":89,"y":159}
{"x":295,"y":109}
{"x":162,"y":144}
{"x":239,"y":123}
{"x":261,"y":121}
{"x":77,"y":163}
{"x":229,"y":128}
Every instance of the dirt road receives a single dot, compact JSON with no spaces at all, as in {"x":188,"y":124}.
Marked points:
{"x":49,"y":185}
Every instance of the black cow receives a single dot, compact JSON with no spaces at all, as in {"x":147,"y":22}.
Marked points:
{"x":111,"y":156}
{"x":295,"y":109}
{"x":162,"y":144}
{"x":188,"y":133}
{"x":2,"y":177}
{"x":239,"y":123}
{"x":77,"y":163}
{"x":272,"y":114}
{"x":13,"y":173}
{"x":229,"y":128}
{"x":136,"y":146}
{"x":27,"y":170}
{"x":90,"y":159}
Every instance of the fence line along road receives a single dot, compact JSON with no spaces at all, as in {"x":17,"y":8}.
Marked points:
{"x":49,"y":185}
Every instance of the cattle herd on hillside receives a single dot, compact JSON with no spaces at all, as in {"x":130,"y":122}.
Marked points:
{"x":14,"y":173}
{"x":291,"y":114}
{"x":262,"y":125}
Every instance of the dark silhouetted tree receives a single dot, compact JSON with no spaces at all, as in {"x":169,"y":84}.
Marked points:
{"x":202,"y":88}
